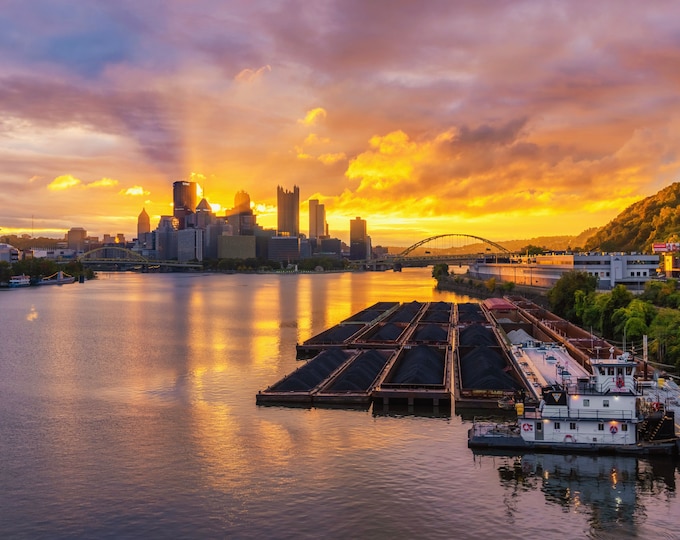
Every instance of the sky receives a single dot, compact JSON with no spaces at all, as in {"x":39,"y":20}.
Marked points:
{"x":501,"y":119}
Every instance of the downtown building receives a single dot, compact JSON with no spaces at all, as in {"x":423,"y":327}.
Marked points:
{"x":359,"y":241}
{"x":285,"y":246}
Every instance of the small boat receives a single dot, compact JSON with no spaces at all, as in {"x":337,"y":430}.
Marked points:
{"x":58,"y":278}
{"x":506,"y":403}
{"x":20,"y":281}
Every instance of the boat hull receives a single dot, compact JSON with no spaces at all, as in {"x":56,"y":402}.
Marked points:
{"x":517,"y":443}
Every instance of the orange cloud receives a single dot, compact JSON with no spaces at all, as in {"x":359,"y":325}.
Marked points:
{"x":313,"y":116}
{"x":248,"y":75}
{"x":63,"y":182}
{"x":330,"y":159}
{"x":135,"y":191}
{"x":104,"y":182}
{"x":390,"y":161}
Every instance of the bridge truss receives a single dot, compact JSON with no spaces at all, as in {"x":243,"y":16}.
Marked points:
{"x":114,"y":255}
{"x":457,"y":244}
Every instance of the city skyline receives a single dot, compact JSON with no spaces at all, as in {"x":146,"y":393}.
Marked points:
{"x":507,"y":121}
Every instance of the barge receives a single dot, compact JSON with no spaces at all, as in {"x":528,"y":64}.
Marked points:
{"x":389,"y":353}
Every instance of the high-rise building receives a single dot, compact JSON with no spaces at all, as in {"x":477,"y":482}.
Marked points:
{"x":204,"y":215}
{"x":358,"y":240}
{"x":241,"y":218}
{"x":317,"y":219}
{"x":288,"y":211}
{"x":190,"y":245}
{"x":75,"y":238}
{"x":241,"y":202}
{"x":184,"y":196}
{"x":143,"y":223}
{"x":166,"y":238}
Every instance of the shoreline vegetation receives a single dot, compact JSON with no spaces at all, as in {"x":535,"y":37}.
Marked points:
{"x":490,"y":288}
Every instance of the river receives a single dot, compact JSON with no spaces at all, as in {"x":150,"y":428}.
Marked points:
{"x":127,"y":410}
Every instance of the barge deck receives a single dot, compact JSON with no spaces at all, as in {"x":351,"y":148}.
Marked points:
{"x":389,"y":353}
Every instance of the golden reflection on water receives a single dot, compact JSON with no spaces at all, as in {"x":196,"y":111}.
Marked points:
{"x":32,"y":314}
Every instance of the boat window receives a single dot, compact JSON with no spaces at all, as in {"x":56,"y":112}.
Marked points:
{"x":610,"y":371}
{"x":624,"y":427}
{"x":539,"y":426}
{"x":600,"y":427}
{"x":629,"y":370}
{"x":586,"y":403}
{"x":557,"y":425}
{"x":601,"y":370}
{"x":572,"y":425}
{"x":605,"y":403}
{"x":619,"y":371}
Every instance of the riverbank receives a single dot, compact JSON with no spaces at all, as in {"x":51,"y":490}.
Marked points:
{"x":464,"y":284}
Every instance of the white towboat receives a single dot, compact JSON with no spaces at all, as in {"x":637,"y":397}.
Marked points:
{"x":604,"y":412}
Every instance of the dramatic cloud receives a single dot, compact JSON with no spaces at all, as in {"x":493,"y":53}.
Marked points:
{"x":63,"y":182}
{"x":314,"y":116}
{"x":135,"y":191}
{"x":497,"y":119}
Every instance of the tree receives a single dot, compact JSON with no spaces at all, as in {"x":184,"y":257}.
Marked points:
{"x":440,"y":270}
{"x":532,"y":250}
{"x":632,"y":321}
{"x":562,"y":296}
{"x":665,"y":334}
{"x":619,"y":297}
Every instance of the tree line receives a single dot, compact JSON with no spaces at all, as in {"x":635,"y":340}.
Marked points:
{"x":619,"y":315}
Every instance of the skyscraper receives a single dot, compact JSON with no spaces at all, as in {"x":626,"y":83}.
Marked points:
{"x":317,"y":219}
{"x":241,"y":218}
{"x":76,"y":238}
{"x":184,"y":196}
{"x":242,"y":202}
{"x":288,"y":211}
{"x":143,"y":223}
{"x":358,"y":240}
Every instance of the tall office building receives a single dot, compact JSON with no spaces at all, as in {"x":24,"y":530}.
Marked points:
{"x":317,"y":219}
{"x":75,"y":238}
{"x":241,"y":218}
{"x":184,"y":196}
{"x":242,"y":202}
{"x":288,"y":211}
{"x":358,"y":240}
{"x":143,"y":223}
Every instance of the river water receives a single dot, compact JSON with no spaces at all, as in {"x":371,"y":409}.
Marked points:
{"x":127,"y":410}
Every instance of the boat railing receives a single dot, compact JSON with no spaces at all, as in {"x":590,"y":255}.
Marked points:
{"x":580,"y":414}
{"x":488,"y":428}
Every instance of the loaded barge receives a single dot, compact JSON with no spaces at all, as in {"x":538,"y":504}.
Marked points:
{"x":388,"y":353}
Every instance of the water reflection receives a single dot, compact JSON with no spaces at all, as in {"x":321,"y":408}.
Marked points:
{"x":612,"y":491}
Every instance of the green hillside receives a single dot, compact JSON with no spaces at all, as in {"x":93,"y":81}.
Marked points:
{"x":654,"y":219}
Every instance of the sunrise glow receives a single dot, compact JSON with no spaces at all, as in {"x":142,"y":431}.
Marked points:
{"x":501,"y":120}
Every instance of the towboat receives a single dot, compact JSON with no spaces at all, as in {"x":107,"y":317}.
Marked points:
{"x":606,"y":412}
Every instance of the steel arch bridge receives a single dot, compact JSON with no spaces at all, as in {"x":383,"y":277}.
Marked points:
{"x":123,"y":255}
{"x":127,"y":256}
{"x":411,"y":249}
